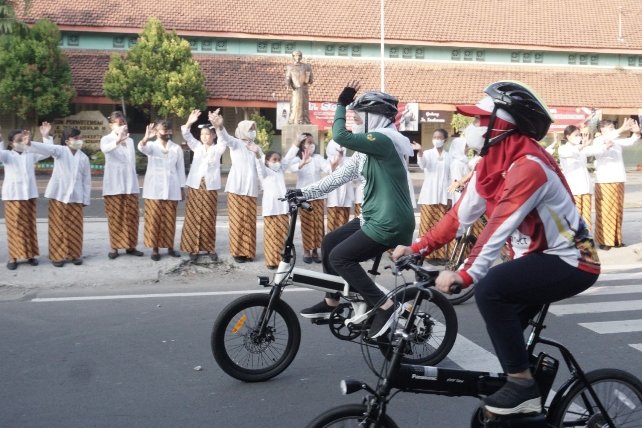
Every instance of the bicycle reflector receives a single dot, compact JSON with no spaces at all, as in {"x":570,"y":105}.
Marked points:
{"x":349,"y":386}
{"x":264,"y":281}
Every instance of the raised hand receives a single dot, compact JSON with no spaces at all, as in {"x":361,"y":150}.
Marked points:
{"x":193,"y":117}
{"x":45,"y":129}
{"x":150,"y":131}
{"x":123,"y":135}
{"x":215,"y":118}
{"x":416,"y":146}
{"x":347,"y":95}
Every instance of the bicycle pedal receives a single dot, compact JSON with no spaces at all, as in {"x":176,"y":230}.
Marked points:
{"x":320,"y":321}
{"x":520,"y":420}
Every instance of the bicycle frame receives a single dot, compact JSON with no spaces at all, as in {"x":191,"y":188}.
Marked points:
{"x":287,"y":274}
{"x":456,"y":382}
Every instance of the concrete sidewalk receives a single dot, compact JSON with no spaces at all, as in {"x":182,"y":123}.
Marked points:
{"x":101,"y":274}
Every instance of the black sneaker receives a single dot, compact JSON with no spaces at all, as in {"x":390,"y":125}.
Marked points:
{"x":320,"y":310}
{"x":513,"y":398}
{"x":383,"y":318}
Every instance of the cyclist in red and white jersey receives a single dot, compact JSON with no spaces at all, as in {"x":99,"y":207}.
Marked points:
{"x":529,"y":205}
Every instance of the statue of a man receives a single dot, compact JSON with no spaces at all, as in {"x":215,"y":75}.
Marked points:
{"x":298,"y":77}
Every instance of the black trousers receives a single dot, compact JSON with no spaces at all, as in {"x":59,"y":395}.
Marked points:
{"x":513,"y":292}
{"x":342,"y":251}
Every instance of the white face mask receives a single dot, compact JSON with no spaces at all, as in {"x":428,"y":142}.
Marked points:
{"x":276,"y":166}
{"x":251,"y":135}
{"x":76,"y":144}
{"x":358,"y":129}
{"x":438,"y":143}
{"x":19,"y":147}
{"x":575,"y":140}
{"x":475,"y":137}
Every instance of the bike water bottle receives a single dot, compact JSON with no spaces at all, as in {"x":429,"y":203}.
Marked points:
{"x":544,"y":374}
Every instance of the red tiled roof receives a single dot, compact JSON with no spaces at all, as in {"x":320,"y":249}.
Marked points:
{"x":566,"y":24}
{"x":261,"y":78}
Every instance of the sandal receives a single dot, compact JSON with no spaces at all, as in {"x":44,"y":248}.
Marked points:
{"x":156,"y":257}
{"x":113,"y":254}
{"x":134,"y":252}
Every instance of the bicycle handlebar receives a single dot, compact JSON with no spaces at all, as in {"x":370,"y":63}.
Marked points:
{"x":299,"y":201}
{"x":410,"y":262}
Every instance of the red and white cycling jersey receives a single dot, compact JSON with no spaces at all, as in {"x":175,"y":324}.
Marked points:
{"x":535,"y":213}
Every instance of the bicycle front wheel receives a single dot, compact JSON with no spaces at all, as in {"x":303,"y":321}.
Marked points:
{"x":619,"y":392}
{"x":350,"y":415}
{"x":245,"y":352}
{"x":434,"y":331}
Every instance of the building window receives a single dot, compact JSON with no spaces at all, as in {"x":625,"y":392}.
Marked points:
{"x":468,"y":55}
{"x":193,"y":43}
{"x":343,"y":50}
{"x":406,"y":53}
{"x":206,"y":45}
{"x":514,"y":56}
{"x":394,"y":53}
{"x":132,"y":41}
{"x":73,"y":40}
{"x":595,"y":59}
{"x":329,"y":49}
{"x":480,"y":55}
{"x":419,"y":53}
{"x":455,"y":55}
{"x":539,"y":57}
{"x":275,"y":48}
{"x":356,"y":51}
{"x":640,"y":61}
{"x":572,"y":59}
{"x":526,"y":57}
{"x":583,"y":59}
{"x":632,"y":61}
{"x":119,"y":42}
{"x":290,"y":47}
{"x":221,"y":45}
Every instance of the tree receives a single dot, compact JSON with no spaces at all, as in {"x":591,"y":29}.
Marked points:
{"x":35,"y":78}
{"x":264,"y":131}
{"x":8,"y":19}
{"x":158,"y":74}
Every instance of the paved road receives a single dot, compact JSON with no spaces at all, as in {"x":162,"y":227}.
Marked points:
{"x":120,"y":362}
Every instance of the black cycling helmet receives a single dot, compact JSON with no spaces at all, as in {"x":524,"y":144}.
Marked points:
{"x":531,"y":114}
{"x":377,"y":103}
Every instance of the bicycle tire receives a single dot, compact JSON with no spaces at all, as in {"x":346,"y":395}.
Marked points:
{"x":440,"y":330}
{"x":462,"y":248}
{"x":620,"y":392}
{"x":342,"y":415}
{"x":245,"y":356}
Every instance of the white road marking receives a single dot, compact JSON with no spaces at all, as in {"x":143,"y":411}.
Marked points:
{"x":612,"y":289}
{"x":619,"y":326}
{"x":151,"y":296}
{"x":594,"y":308}
{"x":619,"y":276}
{"x":637,"y":346}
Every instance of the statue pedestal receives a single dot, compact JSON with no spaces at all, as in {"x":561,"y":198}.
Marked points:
{"x":290,"y":132}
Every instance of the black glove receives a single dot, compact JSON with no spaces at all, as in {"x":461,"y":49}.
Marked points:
{"x":292,"y":194}
{"x":346,"y":96}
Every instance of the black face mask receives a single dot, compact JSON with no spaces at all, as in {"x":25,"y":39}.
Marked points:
{"x":165,"y":137}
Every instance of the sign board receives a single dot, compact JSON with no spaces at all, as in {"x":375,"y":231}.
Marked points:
{"x":92,"y":125}
{"x":441,"y":118}
{"x":564,"y":116}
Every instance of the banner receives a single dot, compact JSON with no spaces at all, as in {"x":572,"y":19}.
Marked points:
{"x":322,"y":115}
{"x":565,"y":116}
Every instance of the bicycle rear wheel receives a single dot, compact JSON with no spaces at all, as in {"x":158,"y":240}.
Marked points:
{"x":619,"y":392}
{"x":349,"y":415}
{"x":434,"y":332}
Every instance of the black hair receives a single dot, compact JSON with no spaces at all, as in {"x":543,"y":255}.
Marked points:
{"x":604,"y":123}
{"x":165,"y":123}
{"x":12,"y":134}
{"x":568,"y":131}
{"x":299,"y":153}
{"x":68,"y":133}
{"x":269,"y":154}
{"x":116,"y":116}
{"x":443,"y":132}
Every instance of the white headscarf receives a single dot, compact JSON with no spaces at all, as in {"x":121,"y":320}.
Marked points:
{"x":457,"y":150}
{"x":243,"y":128}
